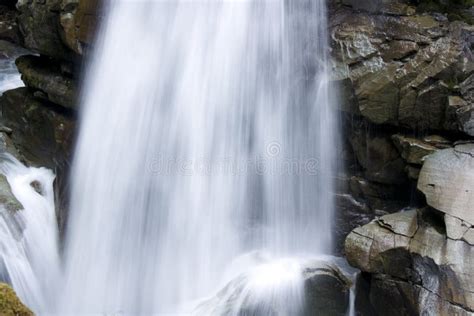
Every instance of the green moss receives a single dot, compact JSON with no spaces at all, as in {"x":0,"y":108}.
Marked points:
{"x":10,"y":304}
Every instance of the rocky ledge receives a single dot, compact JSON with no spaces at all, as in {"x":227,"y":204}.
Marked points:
{"x":422,"y":261}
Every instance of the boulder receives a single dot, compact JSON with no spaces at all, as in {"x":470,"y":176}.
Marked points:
{"x":10,"y":304}
{"x":447,"y":180}
{"x":41,"y":74}
{"x":413,"y":268}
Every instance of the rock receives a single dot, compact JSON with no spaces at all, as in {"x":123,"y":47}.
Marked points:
{"x":58,"y":28}
{"x":402,"y":69}
{"x":378,"y":157}
{"x":8,"y":26}
{"x":455,"y":228}
{"x":325,"y":286}
{"x":350,"y":213}
{"x":411,"y":149}
{"x":382,"y":6}
{"x":40,"y":74}
{"x":397,"y":50}
{"x":414,"y":269}
{"x":326,"y":290}
{"x":7,"y":199}
{"x":447,"y":180}
{"x":40,"y":27}
{"x":379,"y":198}
{"x":469,"y":236}
{"x":10,"y":304}
{"x":465,"y":106}
{"x":79,"y":21}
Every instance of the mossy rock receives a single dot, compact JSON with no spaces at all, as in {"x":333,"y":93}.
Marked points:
{"x":10,"y":304}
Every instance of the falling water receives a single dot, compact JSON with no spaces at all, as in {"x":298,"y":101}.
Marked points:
{"x":29,"y":257}
{"x":206,"y":134}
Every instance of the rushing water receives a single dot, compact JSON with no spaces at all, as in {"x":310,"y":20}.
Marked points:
{"x":206,"y":133}
{"x":203,"y":163}
{"x":29,"y":257}
{"x":10,"y":78}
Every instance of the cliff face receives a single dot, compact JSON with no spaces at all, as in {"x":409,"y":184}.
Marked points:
{"x":405,"y":71}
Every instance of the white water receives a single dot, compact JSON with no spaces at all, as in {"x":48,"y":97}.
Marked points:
{"x":10,"y":78}
{"x":29,"y":238}
{"x":206,"y":134}
{"x":206,"y":137}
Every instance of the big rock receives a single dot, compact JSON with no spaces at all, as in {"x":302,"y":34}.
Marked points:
{"x":414,"y":269}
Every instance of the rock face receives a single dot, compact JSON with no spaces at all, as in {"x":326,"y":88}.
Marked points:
{"x":48,"y":79}
{"x":10,"y":304}
{"x":58,"y":28}
{"x":447,"y":180}
{"x":414,"y":269}
{"x":402,"y":68}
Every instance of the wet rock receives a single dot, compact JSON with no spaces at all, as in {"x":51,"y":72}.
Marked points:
{"x":43,"y":135}
{"x":414,"y":150}
{"x":447,"y":180}
{"x":378,"y":157}
{"x":350,"y":213}
{"x":79,"y":21}
{"x":382,"y":6}
{"x":464,"y":106}
{"x":41,"y":74}
{"x":414,"y":269}
{"x":455,"y":227}
{"x":8,"y":26}
{"x":38,"y":21}
{"x":10,"y":304}
{"x":7,"y":199}
{"x":326,"y":290}
{"x":58,"y":28}
{"x":402,"y":69}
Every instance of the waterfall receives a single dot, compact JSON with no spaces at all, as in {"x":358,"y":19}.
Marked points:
{"x":29,"y":257}
{"x":206,"y":135}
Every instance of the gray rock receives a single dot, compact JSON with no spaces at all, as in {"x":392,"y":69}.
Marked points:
{"x":455,"y":228}
{"x":447,"y":180}
{"x":326,"y":292}
{"x":414,"y":268}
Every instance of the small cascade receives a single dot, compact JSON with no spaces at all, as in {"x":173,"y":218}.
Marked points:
{"x":10,"y":78}
{"x":29,"y":236}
